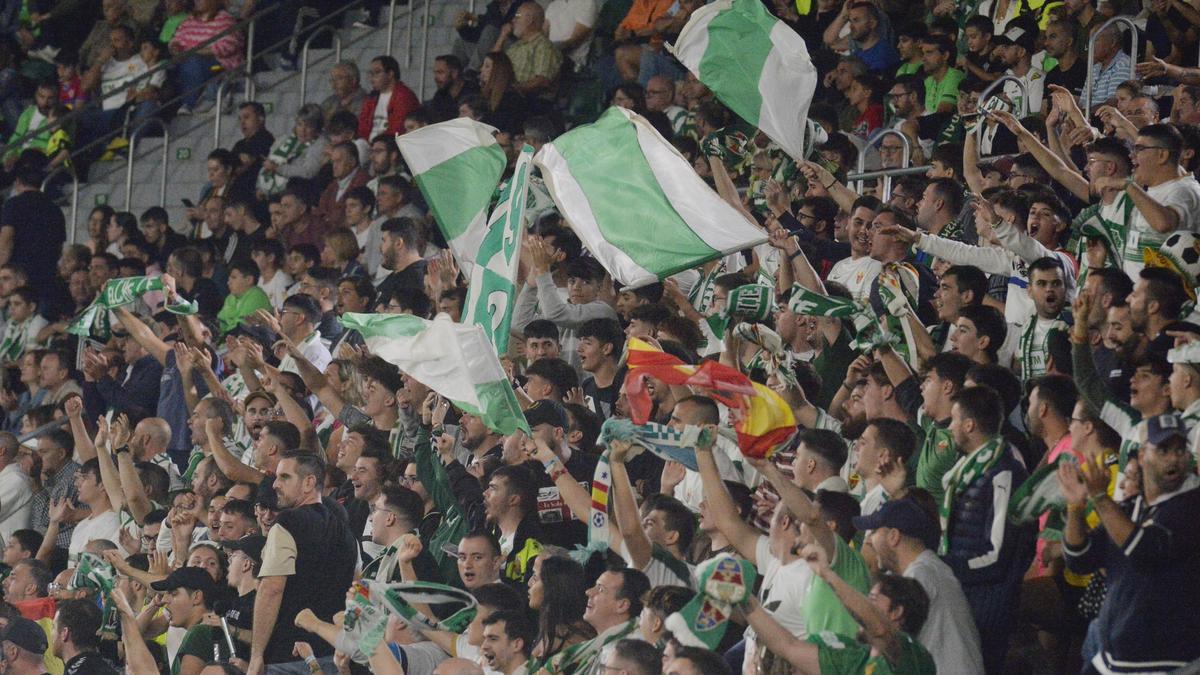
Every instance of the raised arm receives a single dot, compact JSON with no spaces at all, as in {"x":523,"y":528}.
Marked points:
{"x":741,"y":534}
{"x":142,"y":334}
{"x":804,"y":656}
{"x":805,"y":510}
{"x":231,"y":466}
{"x":1059,"y":170}
{"x":637,"y":544}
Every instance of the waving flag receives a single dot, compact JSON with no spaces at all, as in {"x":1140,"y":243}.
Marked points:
{"x":636,"y":203}
{"x":117,"y":293}
{"x":456,"y":165}
{"x":493,"y":288}
{"x":755,"y":64}
{"x":762,"y":419}
{"x":453,"y":359}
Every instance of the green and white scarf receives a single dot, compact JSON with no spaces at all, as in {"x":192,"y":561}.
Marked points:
{"x":117,"y":293}
{"x":1029,"y":350}
{"x":371,"y":602}
{"x":15,"y":337}
{"x":93,"y":573}
{"x":581,"y":658}
{"x":967,"y":470}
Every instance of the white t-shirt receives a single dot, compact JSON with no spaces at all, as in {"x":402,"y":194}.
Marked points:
{"x":1183,"y":196}
{"x":562,"y":16}
{"x":379,"y":122}
{"x":276,"y":288}
{"x":115,"y":74}
{"x":856,"y":275}
{"x":949,"y":633}
{"x":658,"y":572}
{"x":784,"y":591}
{"x":107,"y":525}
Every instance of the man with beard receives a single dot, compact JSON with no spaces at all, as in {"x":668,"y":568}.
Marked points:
{"x":1155,"y":305}
{"x":451,"y":89}
{"x":1043,"y":343}
{"x":400,"y":256}
{"x":1149,"y":388}
{"x":867,"y":40}
{"x":156,"y":226}
{"x":309,"y":541}
{"x":858,"y":271}
{"x":904,"y":538}
{"x":1147,"y":546}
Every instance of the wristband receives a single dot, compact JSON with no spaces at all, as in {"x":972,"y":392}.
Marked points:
{"x":1073,"y":508}
{"x":830,"y":184}
{"x":123,"y":448}
{"x":795,"y":254}
{"x":557,"y":473}
{"x":549,"y":464}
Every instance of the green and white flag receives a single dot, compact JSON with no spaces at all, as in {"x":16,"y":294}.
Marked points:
{"x":456,"y":165}
{"x":493,"y":288}
{"x":755,"y":64}
{"x":116,"y":293}
{"x":1039,"y":493}
{"x":636,"y":203}
{"x":455,"y":360}
{"x":808,"y":303}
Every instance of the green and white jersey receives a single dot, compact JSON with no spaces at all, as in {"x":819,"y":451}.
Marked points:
{"x":840,"y":655}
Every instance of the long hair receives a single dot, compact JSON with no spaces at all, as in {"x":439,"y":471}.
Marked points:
{"x":500,"y":81}
{"x":561,"y":613}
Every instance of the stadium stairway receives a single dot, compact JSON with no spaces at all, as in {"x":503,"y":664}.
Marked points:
{"x":192,"y":137}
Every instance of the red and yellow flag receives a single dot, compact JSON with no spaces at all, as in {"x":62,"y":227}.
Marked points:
{"x":762,"y":419}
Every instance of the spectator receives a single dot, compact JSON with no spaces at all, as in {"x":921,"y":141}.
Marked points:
{"x":452,"y":87}
{"x":297,"y":155}
{"x":867,"y":39}
{"x":536,"y":61}
{"x":502,"y":104}
{"x":347,"y":175}
{"x":1110,"y":67}
{"x":398,"y":248}
{"x":298,"y":224}
{"x":569,"y":25}
{"x":32,"y":229}
{"x":477,"y":33}
{"x":206,"y":22}
{"x":76,"y":638}
{"x":307,"y":539}
{"x":16,"y":489}
{"x":34,"y":120}
{"x":390,"y":100}
{"x":348,"y":93}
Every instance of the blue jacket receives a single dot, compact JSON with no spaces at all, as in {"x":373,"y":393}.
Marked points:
{"x":1149,"y":620}
{"x":985,"y":548}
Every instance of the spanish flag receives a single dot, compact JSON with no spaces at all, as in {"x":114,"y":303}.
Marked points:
{"x":762,"y":419}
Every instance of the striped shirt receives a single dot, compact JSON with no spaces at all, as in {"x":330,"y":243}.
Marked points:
{"x":195,"y":30}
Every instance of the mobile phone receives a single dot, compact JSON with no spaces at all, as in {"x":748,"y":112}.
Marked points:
{"x":188,"y":203}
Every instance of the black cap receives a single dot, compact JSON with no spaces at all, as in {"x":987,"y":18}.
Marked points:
{"x":1162,"y":428}
{"x":25,"y":634}
{"x":191,"y":578}
{"x":251,"y":545}
{"x":549,"y":412}
{"x":904,"y":515}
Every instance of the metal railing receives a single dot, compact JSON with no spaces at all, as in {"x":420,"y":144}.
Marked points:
{"x":166,"y":157}
{"x":425,"y":45}
{"x":1022,"y":111}
{"x":905,"y":161}
{"x":337,"y":54}
{"x":906,"y":171}
{"x":220,"y":113}
{"x":74,"y":197}
{"x":43,"y":430}
{"x":392,"y":24}
{"x":1089,"y":84}
{"x":138,"y":82}
{"x":248,"y":74}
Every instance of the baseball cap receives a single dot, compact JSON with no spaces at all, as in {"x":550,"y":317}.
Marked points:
{"x":1162,"y":428}
{"x":904,"y":515}
{"x":251,"y":545}
{"x":1019,"y":36}
{"x":191,"y":578}
{"x":25,"y":634}
{"x":547,"y":412}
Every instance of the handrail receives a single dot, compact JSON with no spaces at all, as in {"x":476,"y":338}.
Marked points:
{"x":220,"y":113}
{"x":391,"y":24}
{"x":425,"y":48}
{"x":1089,"y":84}
{"x":74,"y":197}
{"x":1024,"y":109}
{"x":166,"y":156}
{"x":42,"y":430}
{"x":409,"y":40}
{"x":137,"y":82}
{"x":905,"y":158}
{"x":337,"y":54}
{"x":907,"y":171}
{"x":249,"y":65}
{"x":876,"y":138}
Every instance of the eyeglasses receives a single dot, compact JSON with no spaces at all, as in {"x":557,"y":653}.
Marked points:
{"x":1139,"y":148}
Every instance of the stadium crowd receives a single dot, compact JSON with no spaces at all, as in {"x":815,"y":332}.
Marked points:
{"x":1001,"y":481}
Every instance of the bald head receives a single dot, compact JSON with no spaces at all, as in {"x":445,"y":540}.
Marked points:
{"x":528,"y":21}
{"x":156,"y":434}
